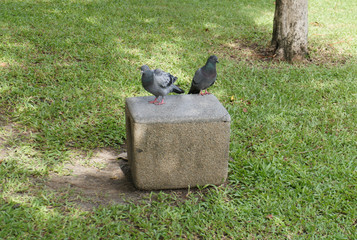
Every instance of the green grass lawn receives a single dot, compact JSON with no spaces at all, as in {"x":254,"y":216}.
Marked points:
{"x":66,"y":67}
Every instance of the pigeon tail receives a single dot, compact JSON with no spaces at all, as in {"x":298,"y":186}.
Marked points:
{"x":176,"y":89}
{"x":194,"y":90}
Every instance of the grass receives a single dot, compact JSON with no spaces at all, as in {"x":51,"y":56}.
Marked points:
{"x":66,"y":68}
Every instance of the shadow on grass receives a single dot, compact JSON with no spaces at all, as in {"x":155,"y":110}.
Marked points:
{"x":67,"y":67}
{"x":91,"y":187}
{"x":70,"y":65}
{"x":83,"y":180}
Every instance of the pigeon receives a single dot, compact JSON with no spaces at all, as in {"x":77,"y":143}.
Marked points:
{"x":204,"y":77}
{"x":159,"y":83}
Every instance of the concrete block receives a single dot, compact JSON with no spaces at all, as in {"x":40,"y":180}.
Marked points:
{"x":183,"y":143}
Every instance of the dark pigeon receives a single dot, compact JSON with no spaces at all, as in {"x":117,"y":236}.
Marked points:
{"x":204,"y":77}
{"x":158,"y":83}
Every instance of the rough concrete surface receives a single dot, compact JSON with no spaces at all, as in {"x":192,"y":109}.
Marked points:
{"x":180,"y":144}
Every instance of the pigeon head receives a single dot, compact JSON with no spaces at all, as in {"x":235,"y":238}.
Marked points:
{"x":146,"y":73}
{"x":144,"y":68}
{"x":213,"y":59}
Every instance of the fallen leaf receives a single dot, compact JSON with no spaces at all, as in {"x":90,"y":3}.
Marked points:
{"x":315,"y":24}
{"x":270,"y":216}
{"x":3,"y":64}
{"x":245,"y":110}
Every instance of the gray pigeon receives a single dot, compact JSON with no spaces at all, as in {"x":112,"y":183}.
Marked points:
{"x":159,"y":83}
{"x":204,"y":77}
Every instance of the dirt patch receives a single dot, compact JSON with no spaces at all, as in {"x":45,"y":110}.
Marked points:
{"x":102,"y":179}
{"x":252,"y":53}
{"x":248,"y":52}
{"x":4,"y":65}
{"x":5,"y":130}
{"x":88,"y":180}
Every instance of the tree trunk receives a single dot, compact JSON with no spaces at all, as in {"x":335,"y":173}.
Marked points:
{"x":290,"y":30}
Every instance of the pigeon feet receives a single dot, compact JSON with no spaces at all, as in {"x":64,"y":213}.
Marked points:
{"x":154,"y":102}
{"x":160,"y":103}
{"x":205,"y":93}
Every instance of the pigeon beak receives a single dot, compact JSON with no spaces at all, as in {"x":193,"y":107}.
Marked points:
{"x":217,"y":61}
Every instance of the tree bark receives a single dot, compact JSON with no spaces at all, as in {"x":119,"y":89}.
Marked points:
{"x":290,"y":30}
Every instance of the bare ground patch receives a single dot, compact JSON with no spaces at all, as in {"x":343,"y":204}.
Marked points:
{"x":6,"y":132}
{"x":253,"y":53}
{"x":99,"y":180}
{"x":88,"y":180}
{"x":102,"y":179}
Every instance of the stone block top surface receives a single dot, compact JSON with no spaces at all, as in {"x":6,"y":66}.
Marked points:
{"x":178,"y":109}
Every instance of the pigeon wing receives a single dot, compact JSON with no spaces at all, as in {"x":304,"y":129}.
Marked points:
{"x":198,"y":78}
{"x":197,"y":82}
{"x":164,"y":79}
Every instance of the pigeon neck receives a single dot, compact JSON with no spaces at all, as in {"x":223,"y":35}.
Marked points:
{"x":210,"y":66}
{"x":147,"y":77}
